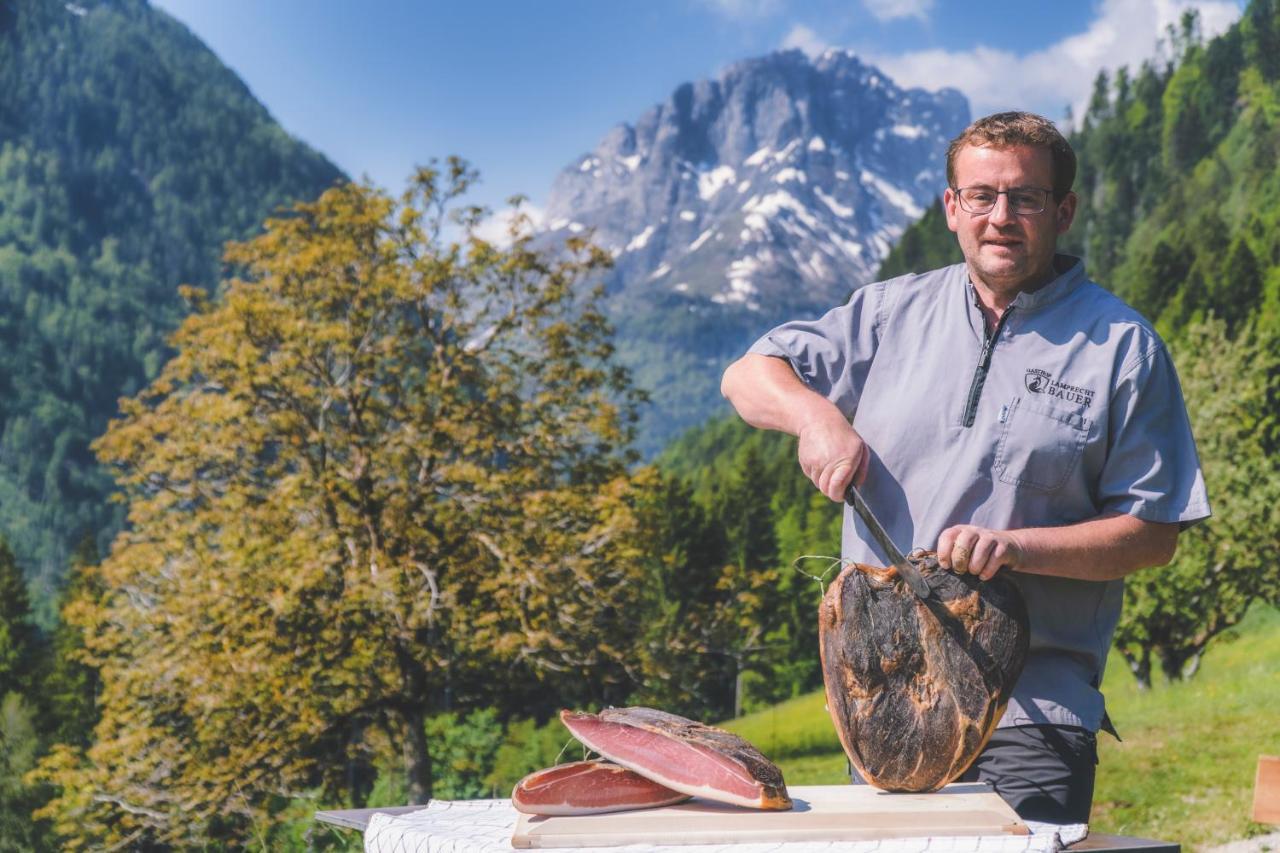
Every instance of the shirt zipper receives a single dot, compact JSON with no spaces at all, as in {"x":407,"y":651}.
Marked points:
{"x":984,"y":365}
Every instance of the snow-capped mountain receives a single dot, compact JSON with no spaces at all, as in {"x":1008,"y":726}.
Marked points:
{"x":769,"y":192}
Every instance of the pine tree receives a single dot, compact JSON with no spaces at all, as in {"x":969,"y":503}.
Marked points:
{"x":18,"y":638}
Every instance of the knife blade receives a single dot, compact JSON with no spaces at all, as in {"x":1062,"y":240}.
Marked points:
{"x":906,"y":570}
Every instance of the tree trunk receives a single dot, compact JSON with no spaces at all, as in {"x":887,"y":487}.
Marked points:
{"x":737,"y":689}
{"x":1140,"y":666}
{"x":1172,"y":662}
{"x":417,"y":756}
{"x":416,"y":750}
{"x":360,"y":776}
{"x":1193,"y":666}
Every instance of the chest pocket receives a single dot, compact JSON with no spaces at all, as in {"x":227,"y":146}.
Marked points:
{"x":1040,"y":446}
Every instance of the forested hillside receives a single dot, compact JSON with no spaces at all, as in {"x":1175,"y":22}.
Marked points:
{"x":128,"y":156}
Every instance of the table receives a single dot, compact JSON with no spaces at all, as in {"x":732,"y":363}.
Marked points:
{"x":1095,"y":843}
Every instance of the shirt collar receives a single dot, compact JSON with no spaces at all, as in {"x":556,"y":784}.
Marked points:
{"x":1070,"y":271}
{"x":1070,"y":275}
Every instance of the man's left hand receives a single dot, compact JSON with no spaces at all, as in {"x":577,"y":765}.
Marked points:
{"x":978,"y":551}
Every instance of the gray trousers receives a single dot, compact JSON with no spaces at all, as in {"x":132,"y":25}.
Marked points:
{"x":1045,"y":773}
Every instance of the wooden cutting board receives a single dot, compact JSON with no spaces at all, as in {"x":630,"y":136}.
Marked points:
{"x":821,"y":813}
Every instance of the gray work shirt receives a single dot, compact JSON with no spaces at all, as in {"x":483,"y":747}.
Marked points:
{"x":1080,"y":414}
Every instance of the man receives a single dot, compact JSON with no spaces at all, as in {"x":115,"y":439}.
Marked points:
{"x":1007,"y":412}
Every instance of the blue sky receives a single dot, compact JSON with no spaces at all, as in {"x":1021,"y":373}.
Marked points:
{"x":522,"y":88}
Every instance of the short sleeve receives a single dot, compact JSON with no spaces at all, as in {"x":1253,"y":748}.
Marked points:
{"x":1152,"y":470}
{"x":832,"y":354}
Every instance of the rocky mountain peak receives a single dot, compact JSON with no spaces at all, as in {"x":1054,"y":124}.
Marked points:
{"x":770,"y":191}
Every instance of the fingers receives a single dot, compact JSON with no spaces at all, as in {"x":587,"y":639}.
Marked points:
{"x":965,"y":548}
{"x":831,"y":456}
{"x":946,"y":541}
{"x":983,"y":549}
{"x":962,"y":550}
{"x":834,"y":479}
{"x":861,"y":476}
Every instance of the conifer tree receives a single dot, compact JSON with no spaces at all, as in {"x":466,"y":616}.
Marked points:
{"x":17,"y":635}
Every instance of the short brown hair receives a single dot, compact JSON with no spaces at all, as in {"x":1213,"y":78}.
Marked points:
{"x":1005,"y":130}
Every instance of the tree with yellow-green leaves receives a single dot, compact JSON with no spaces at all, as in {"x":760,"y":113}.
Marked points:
{"x":384,"y":472}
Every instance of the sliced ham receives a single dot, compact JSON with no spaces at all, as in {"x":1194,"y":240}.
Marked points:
{"x":683,"y":755}
{"x":589,"y":787}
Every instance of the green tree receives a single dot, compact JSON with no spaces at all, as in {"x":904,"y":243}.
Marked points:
{"x":19,"y":746}
{"x":1261,"y":31}
{"x":19,"y":740}
{"x":1231,"y":560}
{"x":748,"y":585}
{"x":381,"y":469}
{"x":18,"y":639}
{"x":1237,"y":290}
{"x":71,"y":686}
{"x":926,"y":245}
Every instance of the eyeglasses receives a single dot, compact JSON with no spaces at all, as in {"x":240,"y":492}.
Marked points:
{"x":1023,"y":201}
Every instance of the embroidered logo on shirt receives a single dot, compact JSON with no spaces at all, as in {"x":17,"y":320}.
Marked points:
{"x":1040,"y":382}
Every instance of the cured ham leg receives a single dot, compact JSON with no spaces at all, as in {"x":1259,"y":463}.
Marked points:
{"x":915,"y":687}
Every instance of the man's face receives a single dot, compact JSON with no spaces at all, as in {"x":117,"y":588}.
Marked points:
{"x":1006,"y":251}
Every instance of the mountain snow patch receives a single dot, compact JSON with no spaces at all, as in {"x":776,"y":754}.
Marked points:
{"x":836,"y":207}
{"x":710,"y":183}
{"x":630,"y":162}
{"x":660,"y":271}
{"x":789,"y":174}
{"x":785,"y":153}
{"x":908,"y":131}
{"x":895,"y":196}
{"x":741,"y":288}
{"x":640,"y":240}
{"x":816,"y":144}
{"x":688,"y":215}
{"x":758,"y":209}
{"x":702,"y":238}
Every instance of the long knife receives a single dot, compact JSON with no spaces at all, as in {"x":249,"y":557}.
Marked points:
{"x":906,"y":570}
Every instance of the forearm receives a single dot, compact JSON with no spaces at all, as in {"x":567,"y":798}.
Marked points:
{"x":767,"y":394}
{"x":1099,"y":549}
{"x":1103,"y":548}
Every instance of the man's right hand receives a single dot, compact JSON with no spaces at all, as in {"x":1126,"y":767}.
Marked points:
{"x":832,"y":454}
{"x":768,"y":395}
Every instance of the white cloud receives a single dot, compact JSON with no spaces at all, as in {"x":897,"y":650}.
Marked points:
{"x":744,"y":9}
{"x":887,"y":10}
{"x":806,"y":39}
{"x":1123,"y":32}
{"x":497,"y":227}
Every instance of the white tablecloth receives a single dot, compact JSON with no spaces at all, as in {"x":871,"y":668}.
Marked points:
{"x":485,"y":826}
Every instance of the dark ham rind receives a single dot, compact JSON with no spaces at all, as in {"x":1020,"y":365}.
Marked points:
{"x":915,"y":687}
{"x":589,"y":787}
{"x":683,"y":755}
